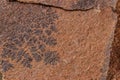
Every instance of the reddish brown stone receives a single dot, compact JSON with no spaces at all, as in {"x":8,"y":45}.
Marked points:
{"x":114,"y":69}
{"x":70,"y":5}
{"x":76,"y":48}
{"x":73,"y":4}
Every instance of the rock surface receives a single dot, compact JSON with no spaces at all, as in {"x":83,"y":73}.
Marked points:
{"x":74,"y":4}
{"x":70,"y":5}
{"x":114,"y":70}
{"x":39,"y":42}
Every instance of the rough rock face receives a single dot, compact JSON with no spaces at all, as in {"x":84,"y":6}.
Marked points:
{"x":70,"y":5}
{"x":40,"y":42}
{"x":114,"y":70}
{"x":74,"y":4}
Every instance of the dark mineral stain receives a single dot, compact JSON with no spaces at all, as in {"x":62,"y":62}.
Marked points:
{"x":53,"y":28}
{"x":6,"y":66}
{"x":48,"y":32}
{"x":38,"y":32}
{"x":5,"y":52}
{"x":26,"y":36}
{"x":1,"y":76}
{"x":33,"y":49}
{"x":51,"y":41}
{"x":84,"y":4}
{"x":20,"y":55}
{"x":51,"y":57}
{"x":12,"y":55}
{"x":37,"y":57}
{"x":43,"y":38}
{"x":21,"y":37}
{"x":30,"y":39}
{"x":11,"y":46}
{"x":26,"y":62}
{"x":16,"y":41}
{"x":42,"y":47}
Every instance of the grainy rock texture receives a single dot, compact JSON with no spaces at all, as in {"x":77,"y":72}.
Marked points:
{"x":74,"y":4}
{"x":71,"y":4}
{"x":114,"y":70}
{"x":39,"y":42}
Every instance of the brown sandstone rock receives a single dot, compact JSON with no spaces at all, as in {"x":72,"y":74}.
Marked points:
{"x":73,"y":4}
{"x":47,"y":43}
{"x":70,"y":5}
{"x":114,"y":69}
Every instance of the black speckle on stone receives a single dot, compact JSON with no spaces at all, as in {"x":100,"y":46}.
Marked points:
{"x":32,"y":40}
{"x":33,"y":49}
{"x":42,"y":47}
{"x":51,"y":57}
{"x":44,"y":25}
{"x":12,"y":37}
{"x":21,"y":37}
{"x":27,"y":56}
{"x":29,"y":30}
{"x":48,"y":32}
{"x":5,"y":52}
{"x":12,"y":55}
{"x":37,"y":57}
{"x":20,"y":55}
{"x":51,"y":41}
{"x":11,"y":46}
{"x":34,"y":34}
{"x":38,"y":32}
{"x":43,"y":38}
{"x":6,"y":65}
{"x":53,"y":28}
{"x":84,"y":4}
{"x":26,"y":36}
{"x":26,"y":62}
{"x":17,"y":42}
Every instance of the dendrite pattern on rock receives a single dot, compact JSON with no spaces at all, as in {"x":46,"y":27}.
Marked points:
{"x":25,"y":44}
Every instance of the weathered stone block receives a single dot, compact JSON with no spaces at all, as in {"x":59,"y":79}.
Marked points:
{"x":77,"y":48}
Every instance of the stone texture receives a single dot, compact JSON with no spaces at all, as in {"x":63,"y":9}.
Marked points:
{"x":71,"y":4}
{"x":48,"y":43}
{"x":74,"y":4}
{"x":114,"y":70}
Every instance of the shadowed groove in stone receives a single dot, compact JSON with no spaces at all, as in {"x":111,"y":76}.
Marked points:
{"x":82,"y":5}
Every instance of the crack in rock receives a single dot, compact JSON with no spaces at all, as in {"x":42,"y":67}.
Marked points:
{"x":82,"y":5}
{"x":71,"y":5}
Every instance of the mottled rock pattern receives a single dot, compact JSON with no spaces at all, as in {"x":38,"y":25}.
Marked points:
{"x":74,"y":4}
{"x":65,"y":4}
{"x":114,"y":69}
{"x":39,"y":42}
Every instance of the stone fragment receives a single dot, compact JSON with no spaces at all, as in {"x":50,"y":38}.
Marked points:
{"x":81,"y":40}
